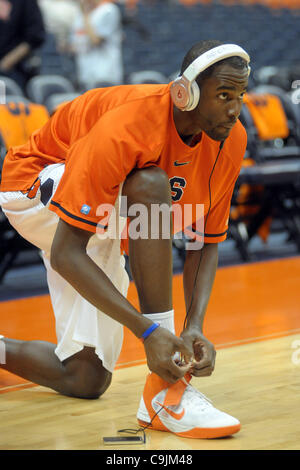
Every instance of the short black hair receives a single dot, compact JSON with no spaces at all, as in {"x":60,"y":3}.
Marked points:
{"x":203,"y":46}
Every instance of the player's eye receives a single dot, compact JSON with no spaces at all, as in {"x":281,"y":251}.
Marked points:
{"x":223,"y":96}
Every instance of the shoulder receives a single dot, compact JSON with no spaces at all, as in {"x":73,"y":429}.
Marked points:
{"x":145,"y":105}
{"x":137,"y":113}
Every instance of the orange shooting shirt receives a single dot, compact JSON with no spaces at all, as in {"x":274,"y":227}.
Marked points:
{"x":104,"y":134}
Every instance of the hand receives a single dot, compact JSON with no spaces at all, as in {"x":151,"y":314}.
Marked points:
{"x":204,"y":352}
{"x":160,"y":348}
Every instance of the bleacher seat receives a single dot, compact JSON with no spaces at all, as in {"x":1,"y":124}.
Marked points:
{"x":16,"y":99}
{"x":54,"y":101}
{"x":292,"y":142}
{"x":271,"y":40}
{"x":11,"y":87}
{"x":263,"y":74}
{"x":147,"y":76}
{"x":41,"y":87}
{"x":269,"y":183}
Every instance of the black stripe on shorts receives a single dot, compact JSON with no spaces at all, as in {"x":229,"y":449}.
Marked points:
{"x":75,"y":217}
{"x":208,"y":235}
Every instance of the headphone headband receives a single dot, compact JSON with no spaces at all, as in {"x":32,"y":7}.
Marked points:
{"x":185,"y":91}
{"x":211,"y":57}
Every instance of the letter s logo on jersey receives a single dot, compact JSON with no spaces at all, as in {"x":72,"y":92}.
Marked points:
{"x":177,"y":185}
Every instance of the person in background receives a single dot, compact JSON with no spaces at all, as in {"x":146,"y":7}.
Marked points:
{"x":59,"y":17}
{"x":96,"y":41}
{"x":21,"y":32}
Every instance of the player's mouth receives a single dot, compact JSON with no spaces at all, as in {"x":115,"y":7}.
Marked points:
{"x":228,"y":125}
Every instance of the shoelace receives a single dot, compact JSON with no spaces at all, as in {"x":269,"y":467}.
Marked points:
{"x":193,"y":395}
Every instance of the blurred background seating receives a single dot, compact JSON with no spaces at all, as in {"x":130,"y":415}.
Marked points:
{"x":40,"y":88}
{"x":18,"y":119}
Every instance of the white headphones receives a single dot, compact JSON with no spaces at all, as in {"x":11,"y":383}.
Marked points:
{"x":185,"y":91}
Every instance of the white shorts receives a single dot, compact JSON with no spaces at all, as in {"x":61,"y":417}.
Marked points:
{"x":78,"y":323}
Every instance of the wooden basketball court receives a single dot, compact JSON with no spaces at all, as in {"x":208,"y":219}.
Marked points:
{"x":253,"y":320}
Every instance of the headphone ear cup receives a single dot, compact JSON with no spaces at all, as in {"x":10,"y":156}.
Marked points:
{"x":180,"y":93}
{"x":194,"y":96}
{"x":185,"y":95}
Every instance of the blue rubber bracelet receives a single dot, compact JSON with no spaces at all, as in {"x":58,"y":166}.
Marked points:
{"x":149,"y":331}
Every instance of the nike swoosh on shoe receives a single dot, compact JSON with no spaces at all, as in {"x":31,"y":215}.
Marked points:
{"x":177,"y":416}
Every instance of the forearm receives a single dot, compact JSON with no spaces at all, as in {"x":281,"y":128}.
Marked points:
{"x":93,"y":284}
{"x":15,"y":56}
{"x":198,"y":278}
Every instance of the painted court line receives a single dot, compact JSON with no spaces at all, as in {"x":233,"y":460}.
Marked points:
{"x":16,"y":387}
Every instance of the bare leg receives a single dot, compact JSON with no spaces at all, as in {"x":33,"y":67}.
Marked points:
{"x":151,"y":259}
{"x":82,"y":375}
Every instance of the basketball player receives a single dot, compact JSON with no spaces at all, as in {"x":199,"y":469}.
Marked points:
{"x":180,"y":143}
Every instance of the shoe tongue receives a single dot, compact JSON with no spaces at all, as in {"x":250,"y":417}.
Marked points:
{"x":175,"y":391}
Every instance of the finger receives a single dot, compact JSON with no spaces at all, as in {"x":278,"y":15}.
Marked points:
{"x":207,"y":361}
{"x":204,"y":368}
{"x":178,"y":371}
{"x":198,"y":351}
{"x":186,"y":351}
{"x":187,"y":361}
{"x":205,"y":372}
{"x":204,"y":362}
{"x":204,"y":353}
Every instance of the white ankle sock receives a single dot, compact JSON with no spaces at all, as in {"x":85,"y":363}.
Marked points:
{"x":165,"y":319}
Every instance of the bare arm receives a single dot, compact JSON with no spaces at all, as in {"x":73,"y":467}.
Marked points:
{"x":14,"y":56}
{"x":198,"y":278}
{"x":203,"y":264}
{"x":70,"y":260}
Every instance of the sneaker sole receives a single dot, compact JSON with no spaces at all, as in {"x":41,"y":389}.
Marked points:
{"x":196,"y":433}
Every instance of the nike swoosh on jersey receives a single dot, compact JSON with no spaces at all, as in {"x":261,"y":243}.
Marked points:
{"x":177,"y":416}
{"x":177,"y":163}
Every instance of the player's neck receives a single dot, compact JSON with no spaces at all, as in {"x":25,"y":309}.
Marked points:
{"x":191,"y":140}
{"x":185,"y":128}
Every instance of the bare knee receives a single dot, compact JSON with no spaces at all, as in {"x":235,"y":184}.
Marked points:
{"x":89,"y":387}
{"x":147,"y":185}
{"x":85,"y":376}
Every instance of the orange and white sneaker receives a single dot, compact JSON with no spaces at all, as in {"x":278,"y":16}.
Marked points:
{"x":181,"y":409}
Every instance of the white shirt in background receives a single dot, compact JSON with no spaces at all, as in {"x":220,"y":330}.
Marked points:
{"x":101,"y":63}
